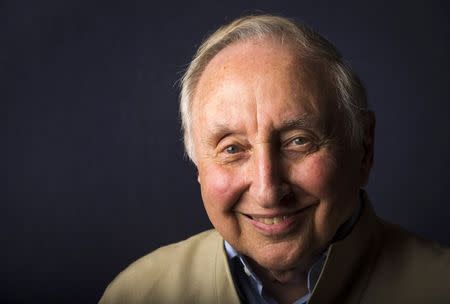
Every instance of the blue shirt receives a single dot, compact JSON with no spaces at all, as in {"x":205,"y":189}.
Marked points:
{"x":250,"y":287}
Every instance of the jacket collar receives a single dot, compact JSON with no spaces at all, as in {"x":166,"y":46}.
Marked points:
{"x":350,"y":261}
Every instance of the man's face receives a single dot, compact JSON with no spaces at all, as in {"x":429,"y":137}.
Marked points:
{"x":275,"y":183}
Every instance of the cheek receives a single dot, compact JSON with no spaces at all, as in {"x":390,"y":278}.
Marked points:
{"x":316,"y":175}
{"x":219,"y":188}
{"x":331,"y":183}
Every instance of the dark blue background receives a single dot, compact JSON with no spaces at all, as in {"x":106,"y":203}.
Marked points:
{"x":93,"y":174}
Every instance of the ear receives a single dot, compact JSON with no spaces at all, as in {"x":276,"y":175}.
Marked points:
{"x":367,"y":146}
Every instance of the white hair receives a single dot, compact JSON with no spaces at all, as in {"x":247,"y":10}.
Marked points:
{"x":349,"y":92}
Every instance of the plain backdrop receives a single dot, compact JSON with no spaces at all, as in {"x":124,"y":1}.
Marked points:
{"x":93,"y":172}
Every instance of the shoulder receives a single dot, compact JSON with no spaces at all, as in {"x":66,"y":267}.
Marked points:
{"x":400,"y":247}
{"x":411,"y":267}
{"x":169,"y":270}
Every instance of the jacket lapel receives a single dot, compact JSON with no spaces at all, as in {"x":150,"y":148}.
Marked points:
{"x":349,"y":262}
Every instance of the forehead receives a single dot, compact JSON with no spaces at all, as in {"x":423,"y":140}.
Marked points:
{"x":263,"y":73}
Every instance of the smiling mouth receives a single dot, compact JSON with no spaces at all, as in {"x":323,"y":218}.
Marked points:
{"x":270,"y":220}
{"x":274,"y":220}
{"x":278,"y":224}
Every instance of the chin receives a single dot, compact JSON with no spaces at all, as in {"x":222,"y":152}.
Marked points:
{"x":284,"y":255}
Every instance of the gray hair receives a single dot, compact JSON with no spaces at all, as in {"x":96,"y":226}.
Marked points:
{"x":350,"y":93}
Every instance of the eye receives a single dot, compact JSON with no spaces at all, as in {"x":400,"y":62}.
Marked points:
{"x":299,"y":141}
{"x":232,"y":149}
{"x":300,"y":145}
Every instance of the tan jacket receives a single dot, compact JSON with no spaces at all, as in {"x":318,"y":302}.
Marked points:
{"x":376,"y":263}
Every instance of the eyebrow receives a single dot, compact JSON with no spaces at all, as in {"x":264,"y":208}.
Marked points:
{"x":218,"y":131}
{"x":305,"y":121}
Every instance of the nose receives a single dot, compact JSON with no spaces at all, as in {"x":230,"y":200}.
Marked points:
{"x":267,"y":188}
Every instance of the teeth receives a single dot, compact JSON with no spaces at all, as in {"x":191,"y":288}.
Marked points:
{"x":271,"y":220}
{"x":268,"y":221}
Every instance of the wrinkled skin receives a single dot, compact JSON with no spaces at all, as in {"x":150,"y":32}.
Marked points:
{"x":275,"y":181}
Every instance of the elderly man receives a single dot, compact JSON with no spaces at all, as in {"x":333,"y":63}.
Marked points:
{"x":279,"y":130}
